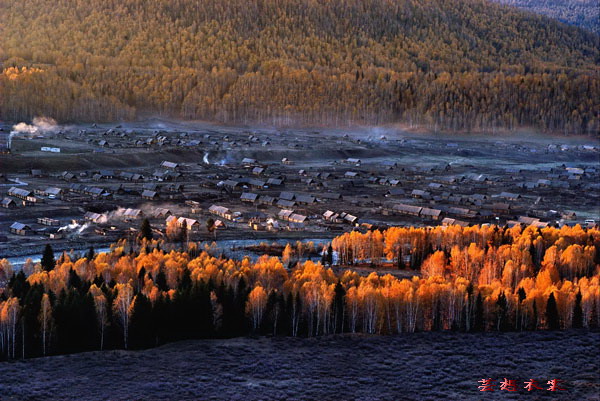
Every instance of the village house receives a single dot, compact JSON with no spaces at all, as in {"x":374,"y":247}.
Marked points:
{"x":149,"y":195}
{"x":349,"y":219}
{"x":274,"y":182}
{"x":191,"y":224}
{"x":305,"y":199}
{"x":20,"y":229}
{"x":331,"y":217}
{"x":160,"y":212}
{"x":266,"y":200}
{"x":433,"y":214}
{"x":352,"y":160}
{"x":53,"y":192}
{"x":221,"y":211}
{"x":297,"y":218}
{"x":418,"y":193}
{"x":409,"y":210}
{"x":285,"y":203}
{"x":67,"y":176}
{"x":509,"y":196}
{"x":19,"y":193}
{"x":395,"y":192}
{"x":132,"y":214}
{"x":169,"y":165}
{"x":47,"y":221}
{"x":9,"y":203}
{"x":447,"y":221}
{"x":287,"y":196}
{"x":93,"y":217}
{"x":249,"y":197}
{"x":329,"y":195}
{"x":285,"y":214}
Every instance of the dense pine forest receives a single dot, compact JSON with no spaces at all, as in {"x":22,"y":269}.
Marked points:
{"x":139,"y":295}
{"x":443,"y":64}
{"x":583,"y":13}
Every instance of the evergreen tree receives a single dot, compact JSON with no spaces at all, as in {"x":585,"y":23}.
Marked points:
{"x":241,"y":297}
{"x":48,"y":262}
{"x":210,"y":226}
{"x":146,"y":230}
{"x":90,"y":253}
{"x":338,"y":308}
{"x":399,"y":260}
{"x":577,"y":312}
{"x":479,"y":318}
{"x":18,"y":285}
{"x":183,"y":236}
{"x":185,"y":282}
{"x":30,"y":323}
{"x":519,"y":318}
{"x":141,"y":328}
{"x":141,"y":276}
{"x":534,"y":323}
{"x":552,"y":317}
{"x":161,"y":281}
{"x":74,"y":280}
{"x":501,"y":312}
{"x":161,"y":319}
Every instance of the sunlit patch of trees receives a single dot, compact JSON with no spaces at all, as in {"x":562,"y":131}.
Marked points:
{"x":448,"y":64}
{"x":139,"y":295}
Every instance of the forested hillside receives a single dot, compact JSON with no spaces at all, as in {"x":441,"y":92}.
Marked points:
{"x":583,"y":13}
{"x":453,"y":64}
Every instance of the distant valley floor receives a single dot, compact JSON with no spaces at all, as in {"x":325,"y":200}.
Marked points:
{"x":422,"y":366}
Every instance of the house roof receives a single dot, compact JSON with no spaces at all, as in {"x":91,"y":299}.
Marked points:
{"x":53,"y":191}
{"x":19,"y":192}
{"x":249,"y":196}
{"x":430,"y":212}
{"x":149,"y":194}
{"x":167,"y":164}
{"x":403,"y":208}
{"x":188,"y":222}
{"x":218,"y":209}
{"x":19,"y":226}
{"x":287,"y":195}
{"x":285,"y":213}
{"x":305,"y":199}
{"x":266,"y":199}
{"x":285,"y":203}
{"x":297,"y":218}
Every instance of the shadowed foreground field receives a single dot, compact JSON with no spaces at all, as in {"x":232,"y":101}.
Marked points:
{"x":422,"y":366}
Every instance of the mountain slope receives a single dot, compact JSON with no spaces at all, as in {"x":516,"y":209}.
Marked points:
{"x":456,"y":64}
{"x":582,"y":13}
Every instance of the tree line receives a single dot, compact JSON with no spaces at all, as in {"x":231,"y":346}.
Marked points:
{"x":141,"y":295}
{"x":452,"y":65}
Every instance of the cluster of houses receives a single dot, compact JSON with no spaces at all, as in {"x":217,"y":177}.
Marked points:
{"x":349,"y":192}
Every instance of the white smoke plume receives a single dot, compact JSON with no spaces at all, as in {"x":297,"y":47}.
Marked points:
{"x":39,"y":125}
{"x":74,"y":229}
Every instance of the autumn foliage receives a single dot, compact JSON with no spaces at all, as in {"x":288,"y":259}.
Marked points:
{"x":466,"y":279}
{"x":449,"y":64}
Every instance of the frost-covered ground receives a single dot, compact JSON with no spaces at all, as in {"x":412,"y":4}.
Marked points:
{"x":422,"y":366}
